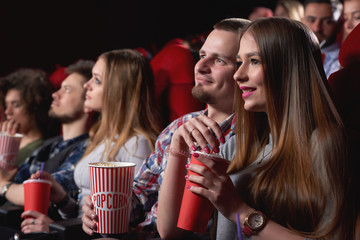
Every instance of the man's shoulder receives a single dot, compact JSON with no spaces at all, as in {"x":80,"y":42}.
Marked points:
{"x":183,"y":119}
{"x":333,"y":48}
{"x":188,"y":116}
{"x":52,"y":140}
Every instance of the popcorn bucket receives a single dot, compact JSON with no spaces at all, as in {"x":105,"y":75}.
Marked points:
{"x":111,"y":190}
{"x":9,"y":147}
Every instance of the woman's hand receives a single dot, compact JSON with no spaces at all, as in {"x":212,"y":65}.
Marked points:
{"x":217,"y":185}
{"x":10,"y":126}
{"x":197,"y":132}
{"x":35,"y":222}
{"x":57,"y":193}
{"x":89,"y":219}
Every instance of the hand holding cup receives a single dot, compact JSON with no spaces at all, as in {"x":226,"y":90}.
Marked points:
{"x":9,"y":147}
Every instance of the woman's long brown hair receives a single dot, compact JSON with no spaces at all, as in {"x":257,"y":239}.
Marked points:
{"x":302,"y":185}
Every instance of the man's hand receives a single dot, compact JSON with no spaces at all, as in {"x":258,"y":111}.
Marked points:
{"x":35,"y":222}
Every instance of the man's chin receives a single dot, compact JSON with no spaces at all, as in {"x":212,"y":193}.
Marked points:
{"x":201,"y":95}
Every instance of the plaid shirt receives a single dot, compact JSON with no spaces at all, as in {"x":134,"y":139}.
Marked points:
{"x":64,"y":174}
{"x":148,"y":180}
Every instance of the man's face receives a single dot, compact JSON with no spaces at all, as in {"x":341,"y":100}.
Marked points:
{"x":319,"y":18}
{"x":214,"y":82}
{"x":68,"y":103}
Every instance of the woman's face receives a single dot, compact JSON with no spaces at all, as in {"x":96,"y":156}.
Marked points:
{"x":94,"y":87}
{"x":351,"y":15}
{"x":15,"y":110}
{"x":250,"y":75}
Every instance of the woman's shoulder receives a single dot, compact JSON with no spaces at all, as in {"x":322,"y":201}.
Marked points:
{"x":138,"y":143}
{"x":139,"y":138}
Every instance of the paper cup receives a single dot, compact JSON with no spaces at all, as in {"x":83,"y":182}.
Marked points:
{"x":9,"y":147}
{"x":37,"y":195}
{"x":196,"y":210}
{"x":111,"y":190}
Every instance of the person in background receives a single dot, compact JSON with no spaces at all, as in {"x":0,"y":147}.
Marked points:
{"x":289,"y":9}
{"x":173,"y":69}
{"x":27,"y":98}
{"x":323,"y":18}
{"x":260,"y":12}
{"x":214,"y":85}
{"x":351,"y":15}
{"x":57,"y":76}
{"x":289,"y":169}
{"x":121,"y":89}
{"x":59,"y":154}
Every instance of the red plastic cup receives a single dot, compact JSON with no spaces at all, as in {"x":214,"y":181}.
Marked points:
{"x":111,"y":190}
{"x":37,"y":195}
{"x":9,"y":147}
{"x":196,"y":210}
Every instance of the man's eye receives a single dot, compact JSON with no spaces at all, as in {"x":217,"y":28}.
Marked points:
{"x":328,"y":21}
{"x":218,"y":60}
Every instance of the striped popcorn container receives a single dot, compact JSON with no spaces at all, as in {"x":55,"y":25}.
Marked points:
{"x":9,"y":147}
{"x":111,"y":190}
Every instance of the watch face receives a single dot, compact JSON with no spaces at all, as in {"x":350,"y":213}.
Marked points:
{"x":256,"y":220}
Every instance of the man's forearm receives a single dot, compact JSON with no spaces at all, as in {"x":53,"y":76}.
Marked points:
{"x":15,"y":193}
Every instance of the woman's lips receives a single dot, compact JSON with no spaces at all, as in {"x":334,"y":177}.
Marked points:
{"x":247,"y":91}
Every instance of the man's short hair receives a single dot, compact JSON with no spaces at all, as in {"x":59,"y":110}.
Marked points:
{"x":231,"y":24}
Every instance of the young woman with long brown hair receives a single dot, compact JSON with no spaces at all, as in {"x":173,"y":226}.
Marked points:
{"x":289,"y":170}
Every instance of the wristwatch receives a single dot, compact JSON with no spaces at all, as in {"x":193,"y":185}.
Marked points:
{"x":63,"y":202}
{"x":254,"y":222}
{"x":5,"y":189}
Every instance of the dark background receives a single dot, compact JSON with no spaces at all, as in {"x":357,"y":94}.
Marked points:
{"x":44,"y":33}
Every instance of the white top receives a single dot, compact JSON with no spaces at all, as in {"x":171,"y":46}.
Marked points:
{"x":135,"y":150}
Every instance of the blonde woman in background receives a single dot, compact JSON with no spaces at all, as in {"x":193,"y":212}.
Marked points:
{"x":289,"y":9}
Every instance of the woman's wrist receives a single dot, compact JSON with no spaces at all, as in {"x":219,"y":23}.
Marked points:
{"x":243,"y":212}
{"x":178,"y":148}
{"x":177,"y":152}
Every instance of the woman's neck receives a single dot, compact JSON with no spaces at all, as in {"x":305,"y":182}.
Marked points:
{"x":30,"y":137}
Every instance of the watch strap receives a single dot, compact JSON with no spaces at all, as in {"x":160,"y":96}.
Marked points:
{"x":247,"y":231}
{"x":63,"y":202}
{"x":5,"y":189}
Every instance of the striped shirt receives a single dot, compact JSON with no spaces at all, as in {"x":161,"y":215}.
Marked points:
{"x":148,"y":180}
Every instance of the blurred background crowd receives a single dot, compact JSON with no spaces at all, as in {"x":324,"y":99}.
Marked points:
{"x":43,"y":34}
